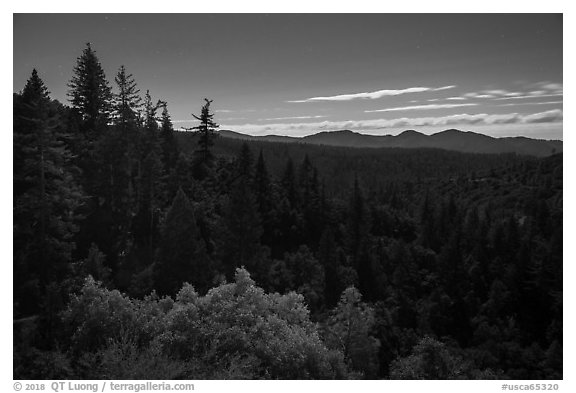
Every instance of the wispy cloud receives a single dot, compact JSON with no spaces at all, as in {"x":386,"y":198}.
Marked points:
{"x":234,"y":110}
{"x":421,"y":107}
{"x":182,"y":121}
{"x":481,"y":119}
{"x":478,"y":95}
{"x":293,"y":118}
{"x":532,"y":103}
{"x":548,"y":85}
{"x":374,"y":94}
{"x":544,"y":89}
{"x":446,"y":99}
{"x":544,"y":117}
{"x":232,"y":118}
{"x":532,"y":94}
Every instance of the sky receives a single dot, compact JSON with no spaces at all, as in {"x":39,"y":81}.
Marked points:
{"x":298,"y":74}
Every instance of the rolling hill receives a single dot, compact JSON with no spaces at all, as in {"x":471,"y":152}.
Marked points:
{"x":456,"y":140}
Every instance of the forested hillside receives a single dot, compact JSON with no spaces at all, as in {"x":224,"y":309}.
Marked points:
{"x":455,"y":140}
{"x":142,"y":252}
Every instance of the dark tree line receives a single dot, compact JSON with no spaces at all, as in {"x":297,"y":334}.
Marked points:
{"x":447,"y":265}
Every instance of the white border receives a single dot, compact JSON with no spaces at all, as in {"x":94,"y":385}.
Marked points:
{"x":302,"y":6}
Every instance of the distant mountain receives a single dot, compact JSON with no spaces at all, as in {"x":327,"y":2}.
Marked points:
{"x":462,"y":141}
{"x":267,"y":138}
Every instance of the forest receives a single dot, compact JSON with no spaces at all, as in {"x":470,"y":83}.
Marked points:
{"x":146,"y":252}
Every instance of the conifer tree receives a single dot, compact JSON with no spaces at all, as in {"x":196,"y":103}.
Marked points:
{"x":127,"y":101}
{"x":182,"y":253}
{"x":151,"y":151}
{"x":149,"y":184}
{"x":428,"y":223}
{"x":113,"y":172}
{"x":245,"y":165}
{"x":358,"y":239}
{"x":262,"y":185}
{"x":91,"y":99}
{"x":266,"y":202}
{"x":206,"y":132}
{"x":307,"y":276}
{"x":90,"y":93}
{"x":328,"y":258}
{"x":289,"y":217}
{"x":289,"y":184}
{"x":46,"y":195}
{"x":127,"y":104}
{"x":240,"y":243}
{"x":170,"y":149}
{"x":310,"y":202}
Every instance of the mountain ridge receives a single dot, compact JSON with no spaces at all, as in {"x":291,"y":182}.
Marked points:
{"x":450,"y":139}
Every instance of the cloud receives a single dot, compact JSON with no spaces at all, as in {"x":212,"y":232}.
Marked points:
{"x":529,"y":95}
{"x":481,"y":119}
{"x":498,"y":92}
{"x":421,"y":107}
{"x":374,"y":94}
{"x":544,"y":89}
{"x":182,"y":121}
{"x":232,"y":118}
{"x":234,"y":110}
{"x":555,"y":115}
{"x":478,"y":95}
{"x":548,"y":86}
{"x":532,"y":103}
{"x":293,"y":118}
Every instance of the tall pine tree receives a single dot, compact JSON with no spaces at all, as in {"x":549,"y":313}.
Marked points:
{"x":240,"y":240}
{"x":90,"y":93}
{"x":46,"y":195}
{"x":206,"y":131}
{"x":182,"y":253}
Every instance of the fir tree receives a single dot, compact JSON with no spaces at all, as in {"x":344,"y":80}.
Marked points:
{"x":46,"y":195}
{"x":328,"y":258}
{"x":358,"y":239}
{"x":240,"y":243}
{"x":170,"y":149}
{"x":289,"y":184}
{"x":289,"y":217}
{"x":127,"y":104}
{"x":127,"y":101}
{"x":310,"y":202}
{"x":266,"y":202}
{"x":182,"y":253}
{"x":113,"y":171}
{"x":206,"y":132}
{"x":90,"y":93}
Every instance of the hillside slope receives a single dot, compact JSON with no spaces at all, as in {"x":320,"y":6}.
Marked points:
{"x":456,"y":140}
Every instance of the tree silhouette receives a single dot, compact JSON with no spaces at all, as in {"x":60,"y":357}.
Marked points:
{"x":46,"y":195}
{"x":182,"y":253}
{"x":90,"y":93}
{"x":206,"y":134}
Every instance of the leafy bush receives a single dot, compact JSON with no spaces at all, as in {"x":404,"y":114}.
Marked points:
{"x":432,"y":359}
{"x":235,"y":331}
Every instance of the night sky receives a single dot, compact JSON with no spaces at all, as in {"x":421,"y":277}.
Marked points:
{"x":299,"y":74}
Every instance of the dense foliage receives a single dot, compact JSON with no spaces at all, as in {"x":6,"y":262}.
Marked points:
{"x":133,"y":243}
